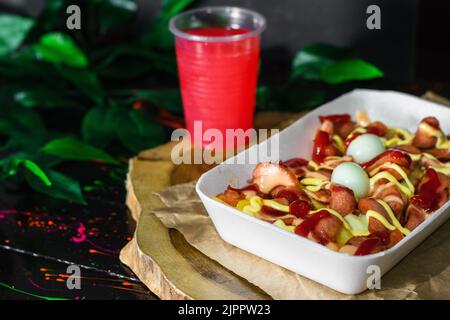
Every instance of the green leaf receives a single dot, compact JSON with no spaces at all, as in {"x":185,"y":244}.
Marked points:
{"x":30,"y":143}
{"x":137,"y":130}
{"x":84,"y":80}
{"x":313,"y":58}
{"x":9,"y":164}
{"x":24,"y":121}
{"x":41,"y":97}
{"x":300,"y":99}
{"x":114,"y":13}
{"x":73,"y":149}
{"x":332,"y":65}
{"x":289,"y":98}
{"x":59,"y":48}
{"x":310,"y":70}
{"x":263,"y":97}
{"x":12,"y":164}
{"x":173,"y":7}
{"x":33,"y":168}
{"x":320,"y":52}
{"x":37,"y":171}
{"x":22,"y":67}
{"x":13,"y":30}
{"x":169,"y":99}
{"x":52,"y":17}
{"x":348,"y":70}
{"x":99,"y":125}
{"x":128,"y":70}
{"x":62,"y":187}
{"x":130,"y":61}
{"x":24,"y":142}
{"x":159,"y":35}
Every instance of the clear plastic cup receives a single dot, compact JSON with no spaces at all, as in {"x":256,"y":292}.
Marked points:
{"x":218,"y":55}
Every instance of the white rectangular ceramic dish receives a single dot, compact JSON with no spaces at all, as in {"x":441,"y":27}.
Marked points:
{"x":344,"y":273}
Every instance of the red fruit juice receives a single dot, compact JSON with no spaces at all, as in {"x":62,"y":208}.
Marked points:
{"x":218,"y":79}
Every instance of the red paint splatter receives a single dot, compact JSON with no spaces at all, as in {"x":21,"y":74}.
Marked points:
{"x":127,"y":289}
{"x":93,"y":251}
{"x":3,"y":213}
{"x":34,"y":284}
{"x":115,"y":252}
{"x":130,"y":284}
{"x":81,"y":236}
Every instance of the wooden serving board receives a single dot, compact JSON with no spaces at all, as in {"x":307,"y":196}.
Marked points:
{"x":163,"y":260}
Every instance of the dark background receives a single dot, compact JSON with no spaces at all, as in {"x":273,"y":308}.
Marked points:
{"x":411,"y":44}
{"x":294,"y":23}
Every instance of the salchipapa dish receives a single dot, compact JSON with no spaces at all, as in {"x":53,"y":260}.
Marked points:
{"x":367,"y":186}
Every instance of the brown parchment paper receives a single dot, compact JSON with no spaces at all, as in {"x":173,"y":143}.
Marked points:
{"x":423,"y":274}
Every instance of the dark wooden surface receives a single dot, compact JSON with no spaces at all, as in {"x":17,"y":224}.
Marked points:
{"x":37,"y":240}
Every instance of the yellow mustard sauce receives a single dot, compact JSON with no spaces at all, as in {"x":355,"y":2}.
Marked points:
{"x":442,"y":141}
{"x":339,"y":142}
{"x":317,"y":167}
{"x":386,"y":175}
{"x":313,"y":184}
{"x":445,"y":169}
{"x":406,"y":137}
{"x":280,"y":223}
{"x":398,"y":169}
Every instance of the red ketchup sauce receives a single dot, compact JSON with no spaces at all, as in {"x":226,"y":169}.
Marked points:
{"x":304,"y":228}
{"x":321,"y":142}
{"x":351,"y":138}
{"x":432,"y":121}
{"x":427,"y":197}
{"x":289,"y":195}
{"x":368,"y":246}
{"x":272,"y":212}
{"x":394,"y":156}
{"x":336,"y":118}
{"x":299,"y":208}
{"x":294,"y":163}
{"x":251,"y":187}
{"x":374,"y":130}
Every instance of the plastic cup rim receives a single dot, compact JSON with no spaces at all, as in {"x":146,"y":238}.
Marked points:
{"x":181,"y":34}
